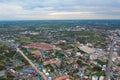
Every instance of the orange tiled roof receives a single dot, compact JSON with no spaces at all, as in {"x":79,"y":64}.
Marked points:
{"x":43,"y":46}
{"x":51,"y":61}
{"x":63,"y":77}
{"x":36,"y":52}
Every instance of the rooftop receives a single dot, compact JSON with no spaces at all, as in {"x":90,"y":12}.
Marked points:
{"x":63,"y":77}
{"x":44,"y":46}
{"x":35,"y":52}
{"x":87,"y":49}
{"x":51,"y":61}
{"x":2,"y":73}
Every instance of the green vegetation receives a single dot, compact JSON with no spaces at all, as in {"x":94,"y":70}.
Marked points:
{"x":97,"y":68}
{"x":58,"y":53}
{"x":49,"y":66}
{"x":75,"y":71}
{"x":80,"y":62}
{"x":99,"y":74}
{"x":100,"y":62}
{"x":18,"y":67}
{"x":24,"y":40}
{"x":90,"y":35}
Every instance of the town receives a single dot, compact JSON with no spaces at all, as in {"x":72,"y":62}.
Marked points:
{"x":59,"y":51}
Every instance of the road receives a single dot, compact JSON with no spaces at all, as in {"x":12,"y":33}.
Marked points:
{"x":115,"y":41}
{"x":12,"y":45}
{"x":29,"y":61}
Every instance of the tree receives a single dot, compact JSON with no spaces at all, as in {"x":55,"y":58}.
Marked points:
{"x":58,"y":53}
{"x":79,"y":62}
{"x":97,"y":68}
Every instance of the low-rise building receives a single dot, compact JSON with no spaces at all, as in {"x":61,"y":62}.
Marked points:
{"x":63,"y":77}
{"x":51,"y":61}
{"x":43,"y":46}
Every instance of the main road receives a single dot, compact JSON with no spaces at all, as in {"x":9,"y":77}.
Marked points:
{"x":12,"y":45}
{"x":30,"y":62}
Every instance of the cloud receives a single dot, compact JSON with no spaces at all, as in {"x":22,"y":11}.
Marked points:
{"x":70,"y":13}
{"x":59,"y":9}
{"x":13,"y":12}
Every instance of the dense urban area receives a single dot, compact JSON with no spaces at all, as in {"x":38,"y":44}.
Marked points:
{"x":60,"y":50}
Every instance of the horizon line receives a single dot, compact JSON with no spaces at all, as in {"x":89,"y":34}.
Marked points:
{"x":57,"y":19}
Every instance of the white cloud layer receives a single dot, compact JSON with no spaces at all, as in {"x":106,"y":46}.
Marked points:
{"x":59,"y":9}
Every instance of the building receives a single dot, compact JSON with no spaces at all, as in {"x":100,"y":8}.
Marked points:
{"x":2,"y":73}
{"x":87,"y":49}
{"x":51,"y":61}
{"x":63,"y":77}
{"x":35,"y":52}
{"x":43,"y":46}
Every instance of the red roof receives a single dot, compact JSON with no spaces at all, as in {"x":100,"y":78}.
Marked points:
{"x":51,"y":61}
{"x":63,"y":77}
{"x":43,"y":46}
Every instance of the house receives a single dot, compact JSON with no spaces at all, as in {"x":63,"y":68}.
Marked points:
{"x":35,"y":52}
{"x":76,"y":65}
{"x":97,"y":77}
{"x":43,"y":46}
{"x":101,"y":78}
{"x":79,"y":54}
{"x":93,"y":56}
{"x":2,"y":73}
{"x":63,"y":77}
{"x":94,"y":78}
{"x":51,"y":61}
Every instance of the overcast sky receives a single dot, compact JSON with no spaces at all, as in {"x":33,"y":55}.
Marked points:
{"x":59,"y":9}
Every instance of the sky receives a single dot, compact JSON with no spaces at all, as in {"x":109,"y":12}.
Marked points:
{"x":59,"y":9}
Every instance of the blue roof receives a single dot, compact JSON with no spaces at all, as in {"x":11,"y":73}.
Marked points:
{"x":31,"y":68}
{"x":7,"y":67}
